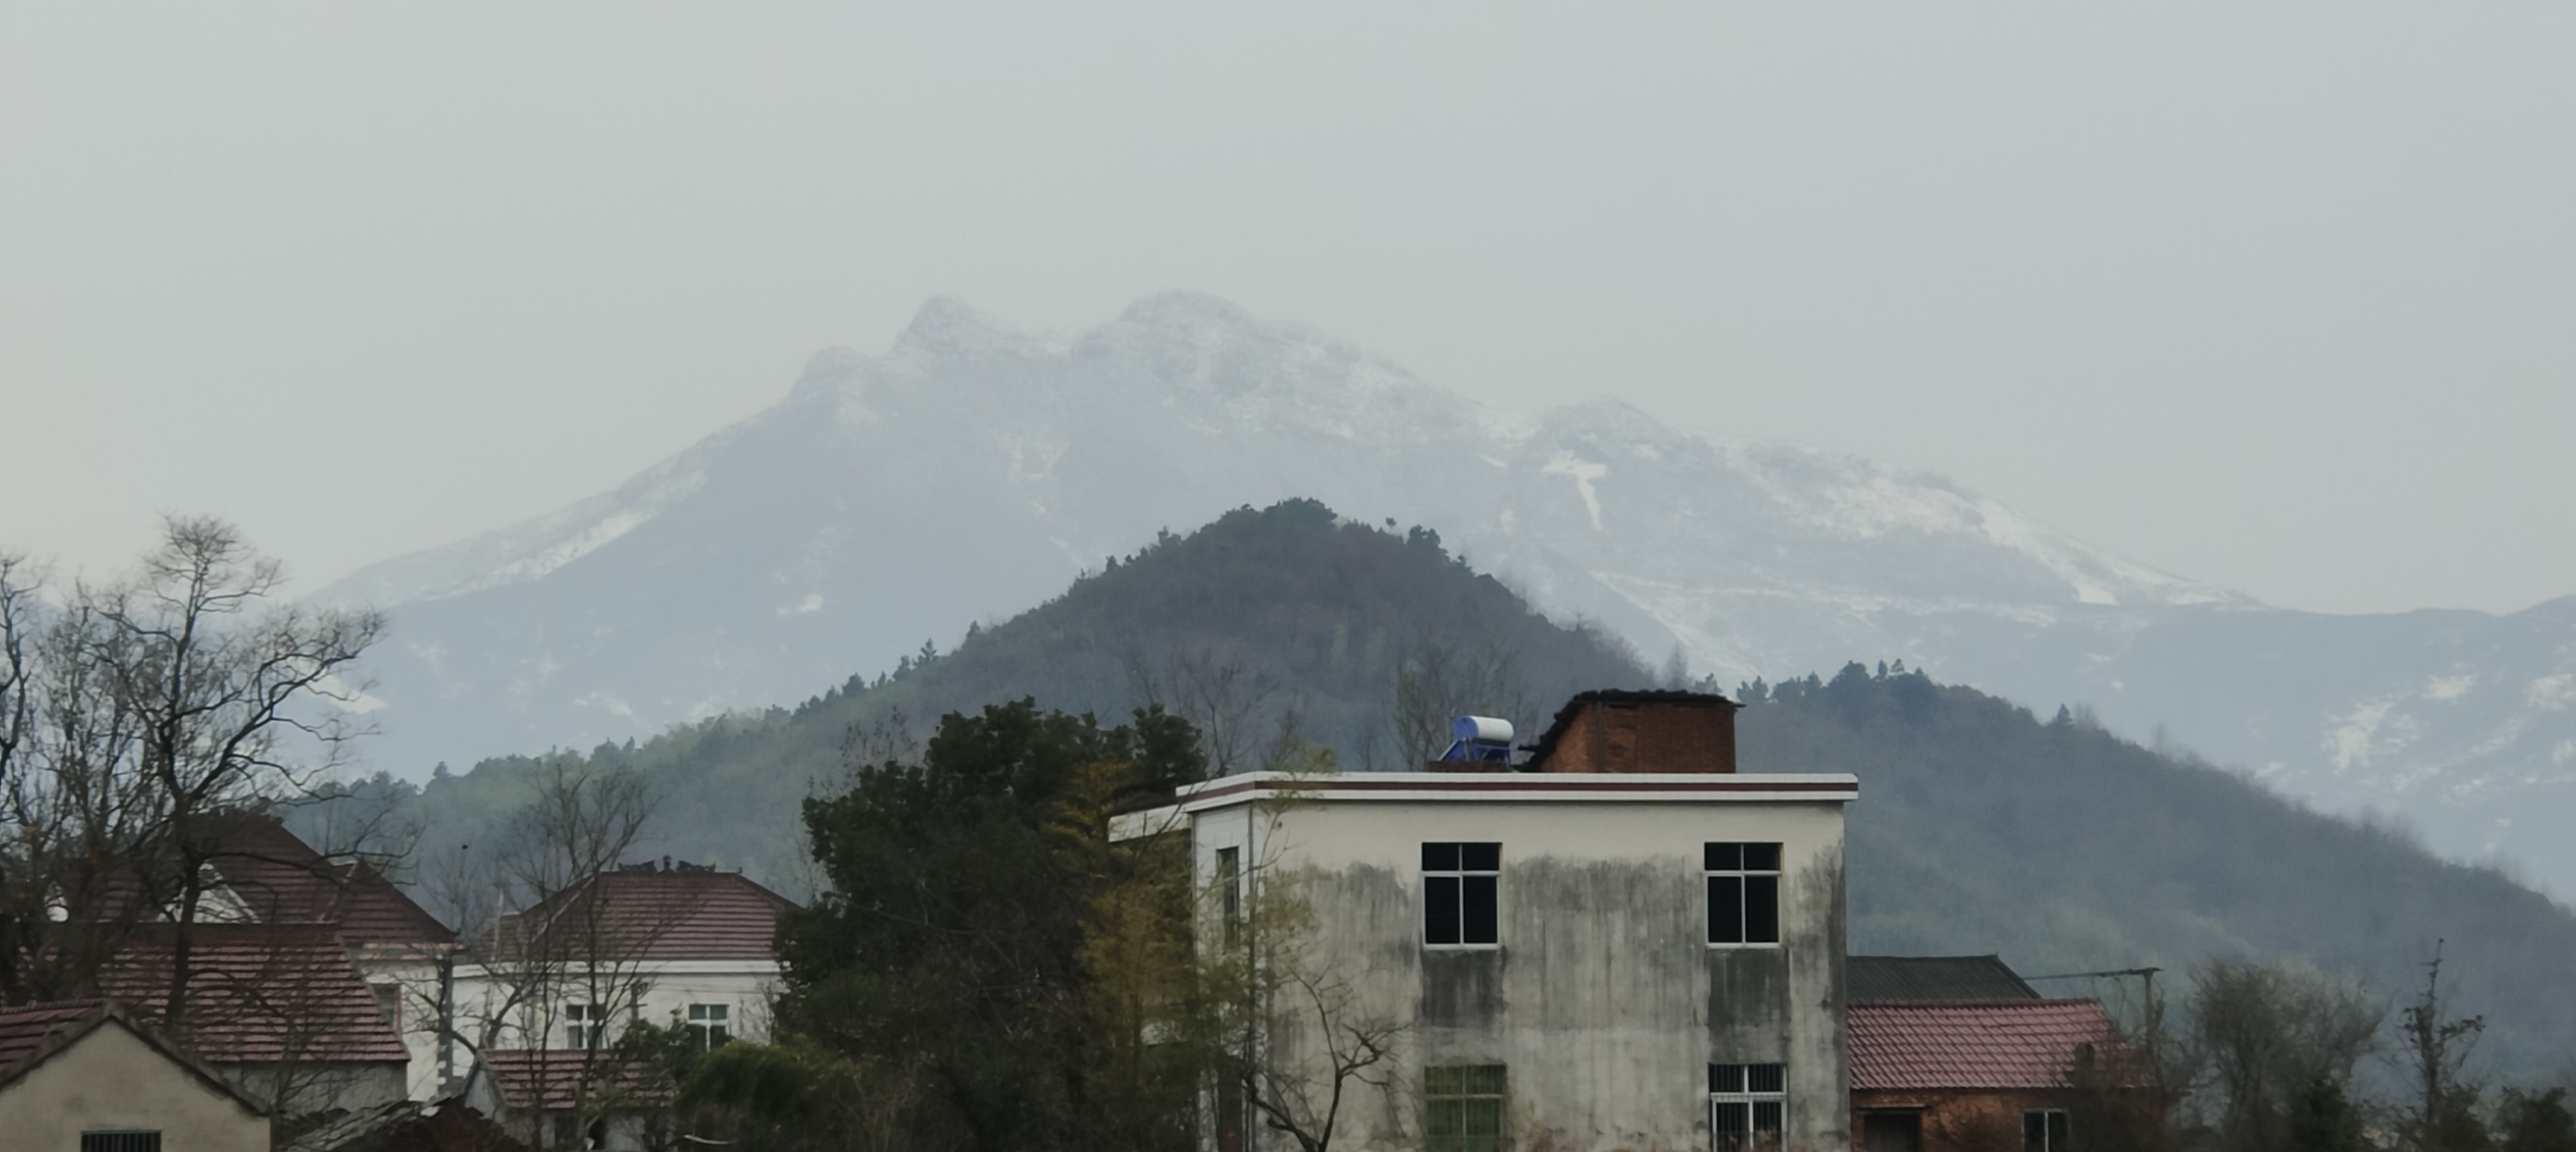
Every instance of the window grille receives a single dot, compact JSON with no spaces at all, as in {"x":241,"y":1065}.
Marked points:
{"x":1464,"y":1108}
{"x":710,"y":1026}
{"x":2044,"y":1130}
{"x":120,"y":1142}
{"x":1743,"y":893}
{"x":1748,"y":1106}
{"x":1460,"y":894}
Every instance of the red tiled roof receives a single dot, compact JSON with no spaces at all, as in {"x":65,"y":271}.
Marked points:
{"x":259,"y":993}
{"x":284,"y":881}
{"x":545,"y":1078}
{"x":23,"y":1030}
{"x":679,"y":913}
{"x":1974,"y":1043}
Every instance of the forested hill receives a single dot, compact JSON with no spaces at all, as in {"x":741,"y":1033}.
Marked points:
{"x":1283,"y":617}
{"x":1979,"y":828}
{"x":1982,"y":829}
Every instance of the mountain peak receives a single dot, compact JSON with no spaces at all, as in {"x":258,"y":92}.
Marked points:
{"x":946,"y":325}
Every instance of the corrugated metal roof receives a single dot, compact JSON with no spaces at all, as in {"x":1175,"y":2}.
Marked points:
{"x":259,"y":993}
{"x":1975,"y":1044}
{"x":1918,"y":978}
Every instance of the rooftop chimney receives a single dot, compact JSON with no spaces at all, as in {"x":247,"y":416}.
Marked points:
{"x":1628,"y":731}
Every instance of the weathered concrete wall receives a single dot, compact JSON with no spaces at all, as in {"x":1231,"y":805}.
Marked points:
{"x":1604,"y":1000}
{"x":112,"y":1081}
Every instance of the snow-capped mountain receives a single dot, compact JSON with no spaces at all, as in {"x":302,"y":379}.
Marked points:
{"x":972,"y":470}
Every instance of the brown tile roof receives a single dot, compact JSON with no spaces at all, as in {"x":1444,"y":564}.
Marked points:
{"x":645,"y":912}
{"x":260,"y":993}
{"x":284,"y":880}
{"x":1974,"y":1044}
{"x":24,"y":1030}
{"x":547,"y":1078}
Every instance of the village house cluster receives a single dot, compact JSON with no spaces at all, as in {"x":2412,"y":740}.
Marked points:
{"x":1609,"y":939}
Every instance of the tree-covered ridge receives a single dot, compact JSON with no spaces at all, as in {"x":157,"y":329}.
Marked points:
{"x":1982,"y":829}
{"x":1285,"y":619}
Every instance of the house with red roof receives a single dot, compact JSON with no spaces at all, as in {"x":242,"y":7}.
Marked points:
{"x":1951,"y":1054}
{"x":96,"y":1074}
{"x":549,"y":991}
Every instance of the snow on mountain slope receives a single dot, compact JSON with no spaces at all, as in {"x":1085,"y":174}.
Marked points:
{"x":972,"y":470}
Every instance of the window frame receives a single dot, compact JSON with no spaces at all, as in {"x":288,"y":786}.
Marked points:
{"x":710,"y":1024}
{"x":2059,"y":1139}
{"x":584,"y":1026}
{"x":1229,"y":882}
{"x":1465,"y":1093}
{"x":1463,"y":877}
{"x":1750,"y":1086}
{"x":1745,"y":878}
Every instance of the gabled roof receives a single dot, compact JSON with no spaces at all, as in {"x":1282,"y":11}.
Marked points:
{"x":1918,"y":978}
{"x":545,"y":1079}
{"x":648,"y":912}
{"x":261,"y":993}
{"x":31,"y":1034}
{"x":283,"y":880}
{"x":1976,"y":1044}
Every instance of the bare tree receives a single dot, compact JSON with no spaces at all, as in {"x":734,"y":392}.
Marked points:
{"x":1228,"y":700}
{"x":2267,"y":1037}
{"x":2438,"y":1046}
{"x":134,"y":716}
{"x":559,"y":949}
{"x":1439,"y":678}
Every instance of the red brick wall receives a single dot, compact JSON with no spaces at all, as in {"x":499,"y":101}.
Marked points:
{"x":1647,"y":737}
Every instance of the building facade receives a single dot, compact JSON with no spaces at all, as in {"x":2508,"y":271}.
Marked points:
{"x":1612,"y":957}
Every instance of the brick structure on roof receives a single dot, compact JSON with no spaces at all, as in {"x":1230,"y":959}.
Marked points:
{"x":1639,"y":731}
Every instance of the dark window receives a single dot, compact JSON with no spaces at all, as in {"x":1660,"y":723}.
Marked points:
{"x":1464,"y":1108}
{"x":120,"y":1142}
{"x":1743,"y":893}
{"x":2044,"y":1130}
{"x":1229,"y":894}
{"x":1461,"y":894}
{"x":710,"y":1025}
{"x":1748,"y":1106}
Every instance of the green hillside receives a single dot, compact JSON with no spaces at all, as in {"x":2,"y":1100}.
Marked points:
{"x":1979,"y":828}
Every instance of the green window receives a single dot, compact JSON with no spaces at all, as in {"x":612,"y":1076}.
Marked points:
{"x":1466,"y":1108}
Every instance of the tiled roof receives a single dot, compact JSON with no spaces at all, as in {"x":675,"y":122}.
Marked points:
{"x":1974,"y":1044}
{"x":642,"y":912}
{"x":546,"y":1078}
{"x":1891,"y":978}
{"x":261,"y":993}
{"x":283,"y":880}
{"x":23,"y":1030}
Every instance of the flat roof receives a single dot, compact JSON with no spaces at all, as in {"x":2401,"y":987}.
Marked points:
{"x":1521,"y":788}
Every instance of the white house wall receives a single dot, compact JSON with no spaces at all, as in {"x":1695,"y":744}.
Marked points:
{"x":1604,"y":1000}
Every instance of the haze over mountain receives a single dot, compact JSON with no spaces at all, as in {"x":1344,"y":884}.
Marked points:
{"x":972,"y":469}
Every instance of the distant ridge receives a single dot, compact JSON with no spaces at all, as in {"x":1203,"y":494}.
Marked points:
{"x":971,"y":469}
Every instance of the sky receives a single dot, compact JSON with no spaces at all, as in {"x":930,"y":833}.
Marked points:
{"x":2281,"y":297}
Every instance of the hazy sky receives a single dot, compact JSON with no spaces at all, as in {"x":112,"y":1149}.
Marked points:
{"x":2283,"y":299}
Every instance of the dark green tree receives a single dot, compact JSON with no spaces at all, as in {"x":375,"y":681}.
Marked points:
{"x":951,"y":939}
{"x":2538,"y":1122}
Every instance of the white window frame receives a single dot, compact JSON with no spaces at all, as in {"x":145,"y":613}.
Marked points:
{"x":711,"y":1025}
{"x":585,"y":1026}
{"x":1461,"y":875}
{"x":1744,"y":878}
{"x":1750,"y":1086}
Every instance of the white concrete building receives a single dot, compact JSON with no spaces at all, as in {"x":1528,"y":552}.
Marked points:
{"x":1587,"y":954}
